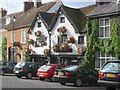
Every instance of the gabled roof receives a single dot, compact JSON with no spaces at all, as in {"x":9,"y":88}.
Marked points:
{"x":45,"y":17}
{"x":105,"y":9}
{"x":76,"y":17}
{"x":25,"y":19}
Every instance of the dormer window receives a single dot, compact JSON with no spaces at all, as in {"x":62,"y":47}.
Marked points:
{"x":62,"y":19}
{"x":39,"y":24}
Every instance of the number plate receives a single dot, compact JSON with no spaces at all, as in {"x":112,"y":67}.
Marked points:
{"x":41,"y":75}
{"x":16,"y":72}
{"x":60,"y":73}
{"x":110,"y":75}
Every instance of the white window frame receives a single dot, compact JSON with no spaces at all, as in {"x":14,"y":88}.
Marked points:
{"x":100,"y":57}
{"x":23,"y":36}
{"x":104,"y":27}
{"x":12,"y":36}
{"x":0,"y":38}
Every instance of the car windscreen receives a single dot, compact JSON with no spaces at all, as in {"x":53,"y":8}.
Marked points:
{"x":112,"y":66}
{"x":70,"y":68}
{"x":20,"y":64}
{"x":45,"y":67}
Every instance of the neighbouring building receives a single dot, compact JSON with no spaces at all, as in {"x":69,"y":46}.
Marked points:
{"x":62,"y":37}
{"x":104,"y":32}
{"x":3,"y":34}
{"x":17,"y":31}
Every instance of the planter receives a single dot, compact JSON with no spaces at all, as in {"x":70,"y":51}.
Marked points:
{"x":62,"y":29}
{"x":56,"y":47}
{"x":31,"y":41}
{"x":38,"y":33}
{"x":81,"y":50}
{"x":46,"y":51}
{"x":71,"y":40}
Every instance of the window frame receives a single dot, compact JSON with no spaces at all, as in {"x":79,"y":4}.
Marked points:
{"x":105,"y":57}
{"x":62,"y":19}
{"x":80,"y":38}
{"x":0,"y":38}
{"x":23,"y":41}
{"x":39,"y":24}
{"x":104,"y":26}
{"x":62,"y":37}
{"x":12,"y":36}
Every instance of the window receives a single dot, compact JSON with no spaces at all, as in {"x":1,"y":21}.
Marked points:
{"x":119,"y":26}
{"x":62,"y":39}
{"x":62,"y":19}
{"x":12,"y":36}
{"x":0,"y":38}
{"x":103,"y":57}
{"x":39,"y":24}
{"x":80,"y":39}
{"x":23,"y":36}
{"x":104,"y":27}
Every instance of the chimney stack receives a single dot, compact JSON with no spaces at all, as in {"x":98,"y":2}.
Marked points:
{"x":28,"y":5}
{"x":38,"y":3}
{"x":3,"y":12}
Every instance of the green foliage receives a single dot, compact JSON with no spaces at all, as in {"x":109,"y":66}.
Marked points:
{"x":106,"y":45}
{"x":4,"y":48}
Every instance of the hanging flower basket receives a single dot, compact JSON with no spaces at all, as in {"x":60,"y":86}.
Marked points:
{"x":62,"y":29}
{"x":38,"y":33}
{"x":31,"y":41}
{"x":56,"y":47}
{"x":81,"y":50}
{"x":71,"y":39}
{"x":46,"y":51}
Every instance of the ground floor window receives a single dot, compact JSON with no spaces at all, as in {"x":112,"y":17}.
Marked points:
{"x":103,"y":57}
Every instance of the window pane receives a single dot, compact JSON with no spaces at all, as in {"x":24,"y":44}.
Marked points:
{"x":102,"y":61}
{"x":102,"y":54}
{"x":107,"y":32}
{"x":80,"y":39}
{"x":101,"y":32}
{"x":102,"y":22}
{"x":106,"y":22}
{"x":62,"y":20}
{"x":97,"y":63}
{"x":39,"y":24}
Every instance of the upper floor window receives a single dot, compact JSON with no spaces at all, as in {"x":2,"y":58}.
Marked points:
{"x":62,"y":39}
{"x":62,"y":19}
{"x":0,"y":38}
{"x":80,"y":39}
{"x":104,"y":27}
{"x":12,"y":36}
{"x":39,"y":24}
{"x":23,"y":35}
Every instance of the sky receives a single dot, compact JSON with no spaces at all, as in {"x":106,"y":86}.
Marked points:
{"x":17,"y":5}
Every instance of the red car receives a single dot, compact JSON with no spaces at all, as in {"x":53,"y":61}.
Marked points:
{"x":46,"y":71}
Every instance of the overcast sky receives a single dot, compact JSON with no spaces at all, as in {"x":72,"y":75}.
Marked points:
{"x":17,"y":5}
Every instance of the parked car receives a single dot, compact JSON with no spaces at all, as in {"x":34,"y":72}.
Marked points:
{"x":28,"y":69}
{"x":77,"y":75}
{"x":6,"y":67}
{"x":46,"y":71}
{"x":109,"y":75}
{"x":57,"y":69}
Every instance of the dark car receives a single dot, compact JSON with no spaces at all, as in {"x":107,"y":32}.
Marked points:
{"x":6,"y":67}
{"x":27,"y":69}
{"x":109,"y":75}
{"x":57,"y":69}
{"x":46,"y":71}
{"x":77,"y":75}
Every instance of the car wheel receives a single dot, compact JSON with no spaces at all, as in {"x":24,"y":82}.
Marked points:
{"x":110,"y":88}
{"x":78,"y":82}
{"x":29,"y":75}
{"x":62,"y":83}
{"x":2,"y":72}
{"x":18,"y":76}
{"x":42,"y":79}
